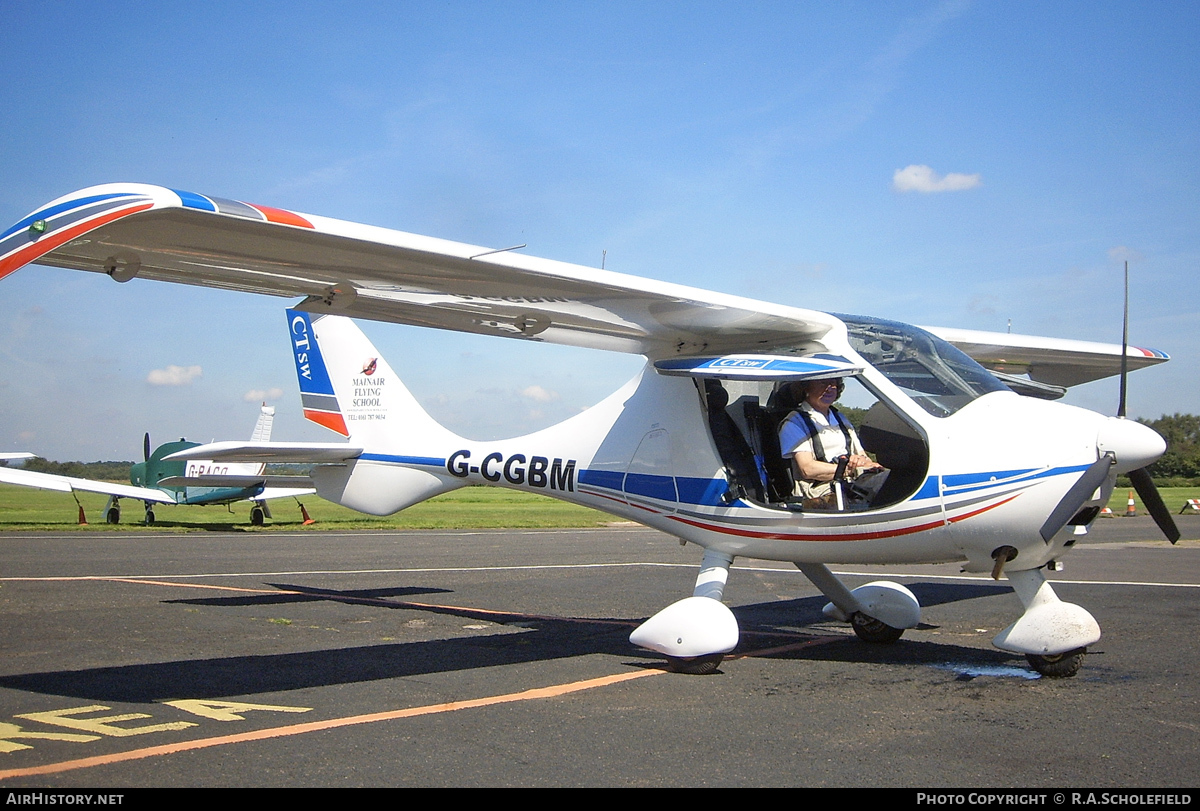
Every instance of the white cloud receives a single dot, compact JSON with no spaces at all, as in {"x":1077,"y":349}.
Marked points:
{"x":539,"y":395}
{"x":927,"y":181}
{"x":174,"y":376}
{"x":1121,"y":253}
{"x":262,"y":395}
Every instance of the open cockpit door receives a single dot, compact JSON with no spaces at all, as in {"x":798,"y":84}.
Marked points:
{"x":746,"y":402}
{"x":735,"y":390}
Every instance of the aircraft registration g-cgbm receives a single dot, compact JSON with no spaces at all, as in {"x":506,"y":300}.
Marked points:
{"x":982,"y":467}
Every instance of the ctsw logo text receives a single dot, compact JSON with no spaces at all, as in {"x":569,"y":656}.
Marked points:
{"x":539,"y":472}
{"x":300,"y":328}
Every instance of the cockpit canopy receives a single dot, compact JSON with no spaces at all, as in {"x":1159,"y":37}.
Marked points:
{"x":936,"y":375}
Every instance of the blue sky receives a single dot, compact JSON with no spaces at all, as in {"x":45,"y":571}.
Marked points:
{"x":747,"y":148}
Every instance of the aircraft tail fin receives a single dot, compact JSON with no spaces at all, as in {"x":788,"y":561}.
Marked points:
{"x":347,"y":387}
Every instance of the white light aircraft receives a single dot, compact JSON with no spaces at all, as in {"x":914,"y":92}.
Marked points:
{"x":1001,"y":481}
{"x":159,"y":479}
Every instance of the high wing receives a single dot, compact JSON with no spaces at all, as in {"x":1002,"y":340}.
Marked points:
{"x":66,"y":484}
{"x":1050,"y":361}
{"x":129,"y":230}
{"x":135,"y":230}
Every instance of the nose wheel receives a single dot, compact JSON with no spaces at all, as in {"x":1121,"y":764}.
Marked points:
{"x":1058,"y":666}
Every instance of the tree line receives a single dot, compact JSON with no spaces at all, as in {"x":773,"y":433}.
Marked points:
{"x":1180,"y":465}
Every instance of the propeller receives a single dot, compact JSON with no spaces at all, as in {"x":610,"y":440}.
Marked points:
{"x":1129,"y":445}
{"x":1140,"y":478}
{"x":146,"y":447}
{"x":1145,"y":488}
{"x":1080,"y":492}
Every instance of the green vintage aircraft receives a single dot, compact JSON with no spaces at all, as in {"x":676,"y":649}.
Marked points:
{"x":157,"y":481}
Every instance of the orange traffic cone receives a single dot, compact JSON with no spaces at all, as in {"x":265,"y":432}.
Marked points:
{"x":1131,"y":510}
{"x":1106,"y":513}
{"x":82,"y":517}
{"x":304,"y":514}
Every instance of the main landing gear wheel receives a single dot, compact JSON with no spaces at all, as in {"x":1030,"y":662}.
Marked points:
{"x":869,"y":629}
{"x":113,"y":516}
{"x":257,"y":517}
{"x":697,"y":666}
{"x":1058,"y":666}
{"x":149,"y":518}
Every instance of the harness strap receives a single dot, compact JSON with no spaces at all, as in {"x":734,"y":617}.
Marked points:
{"x":818,"y":448}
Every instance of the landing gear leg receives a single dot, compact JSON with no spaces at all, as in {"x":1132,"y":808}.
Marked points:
{"x":149,"y":514}
{"x":710,"y":583}
{"x":1053,"y":635}
{"x":878,"y":612}
{"x":694,"y":633}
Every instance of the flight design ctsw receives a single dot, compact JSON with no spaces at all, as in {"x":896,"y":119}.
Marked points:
{"x":982,"y":467}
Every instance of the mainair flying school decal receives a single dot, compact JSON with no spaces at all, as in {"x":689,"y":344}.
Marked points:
{"x":367,"y":403}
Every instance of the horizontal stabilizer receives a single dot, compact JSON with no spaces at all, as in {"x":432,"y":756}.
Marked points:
{"x":272,"y":452}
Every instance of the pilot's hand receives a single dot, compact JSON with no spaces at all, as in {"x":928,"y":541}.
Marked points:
{"x":861,"y":464}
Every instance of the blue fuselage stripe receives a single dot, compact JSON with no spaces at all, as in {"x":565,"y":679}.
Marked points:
{"x":432,"y":461}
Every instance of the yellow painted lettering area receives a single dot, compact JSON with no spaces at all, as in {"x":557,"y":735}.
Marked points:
{"x":227,"y":710}
{"x":102,"y":725}
{"x":10,"y":731}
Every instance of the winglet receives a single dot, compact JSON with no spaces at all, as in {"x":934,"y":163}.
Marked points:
{"x":69,"y":217}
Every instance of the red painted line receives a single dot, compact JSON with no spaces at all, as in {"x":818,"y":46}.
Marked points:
{"x":47,"y":243}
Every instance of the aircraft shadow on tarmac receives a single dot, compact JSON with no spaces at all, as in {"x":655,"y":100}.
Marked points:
{"x":766,"y":627}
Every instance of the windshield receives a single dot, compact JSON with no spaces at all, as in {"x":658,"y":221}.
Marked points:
{"x":938,"y":376}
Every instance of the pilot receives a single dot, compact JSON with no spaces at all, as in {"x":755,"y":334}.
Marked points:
{"x":815,"y":436}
